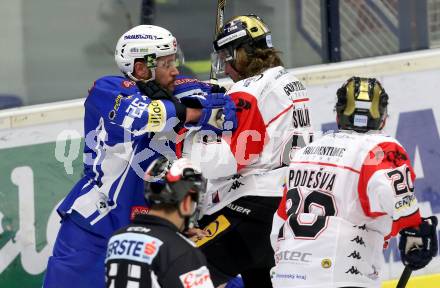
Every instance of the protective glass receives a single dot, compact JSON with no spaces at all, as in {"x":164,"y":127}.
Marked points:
{"x":177,"y":62}
{"x":219,"y":60}
{"x":153,"y":62}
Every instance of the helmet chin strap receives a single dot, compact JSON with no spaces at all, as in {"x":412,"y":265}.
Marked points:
{"x":186,"y":220}
{"x":153,"y":76}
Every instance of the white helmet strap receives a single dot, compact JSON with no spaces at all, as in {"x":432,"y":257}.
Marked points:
{"x":152,"y":70}
{"x":153,"y":76}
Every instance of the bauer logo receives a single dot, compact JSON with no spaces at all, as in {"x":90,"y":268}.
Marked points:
{"x":133,"y":246}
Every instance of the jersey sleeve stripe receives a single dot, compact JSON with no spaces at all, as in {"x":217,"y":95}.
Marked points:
{"x":327,"y":164}
{"x":412,"y":220}
{"x":300,"y":100}
{"x":279,"y":115}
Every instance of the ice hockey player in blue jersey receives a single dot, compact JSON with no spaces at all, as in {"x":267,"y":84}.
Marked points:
{"x":129,"y":121}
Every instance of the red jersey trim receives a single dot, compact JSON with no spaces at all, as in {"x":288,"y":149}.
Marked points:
{"x":281,"y":211}
{"x":326,"y":164}
{"x":388,"y":151}
{"x":279,"y":115}
{"x":412,"y":220}
{"x":300,"y":100}
{"x":179,"y":142}
{"x":249,"y":120}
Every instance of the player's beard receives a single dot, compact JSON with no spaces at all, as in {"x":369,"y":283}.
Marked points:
{"x":170,"y":85}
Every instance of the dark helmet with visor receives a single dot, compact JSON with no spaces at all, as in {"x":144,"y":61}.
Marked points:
{"x":361,"y":105}
{"x":248,"y":32}
{"x":169,"y":183}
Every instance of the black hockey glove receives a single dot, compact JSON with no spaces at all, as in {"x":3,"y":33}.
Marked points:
{"x":217,"y":89}
{"x":418,"y":246}
{"x":153,"y":90}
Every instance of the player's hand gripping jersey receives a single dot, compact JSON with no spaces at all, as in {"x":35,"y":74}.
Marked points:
{"x":345,"y":194}
{"x":117,"y":150}
{"x":273,"y":120}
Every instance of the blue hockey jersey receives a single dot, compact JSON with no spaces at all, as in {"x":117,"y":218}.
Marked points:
{"x":124,"y":131}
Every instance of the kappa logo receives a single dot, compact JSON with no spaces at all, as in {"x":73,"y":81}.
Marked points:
{"x":358,"y":240}
{"x":236,"y":184}
{"x":355,"y":254}
{"x":243,"y":104}
{"x":361,"y":227}
{"x":353,"y":270}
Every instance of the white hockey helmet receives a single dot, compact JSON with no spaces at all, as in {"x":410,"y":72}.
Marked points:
{"x":147,"y":42}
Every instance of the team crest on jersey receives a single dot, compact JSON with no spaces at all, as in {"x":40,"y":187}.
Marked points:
{"x":326,"y":263}
{"x":199,"y":278}
{"x":128,"y":83}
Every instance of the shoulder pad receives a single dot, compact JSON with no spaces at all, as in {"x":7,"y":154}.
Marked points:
{"x":117,"y":83}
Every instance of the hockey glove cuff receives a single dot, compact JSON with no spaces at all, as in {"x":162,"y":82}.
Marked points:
{"x":192,"y":92}
{"x":218,"y":114}
{"x":418,"y":246}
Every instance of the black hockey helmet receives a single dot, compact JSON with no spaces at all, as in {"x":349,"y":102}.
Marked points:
{"x":247,"y":31}
{"x":361,"y":105}
{"x":169,"y":182}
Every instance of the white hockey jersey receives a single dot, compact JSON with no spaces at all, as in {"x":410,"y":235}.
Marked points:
{"x":273,"y":120}
{"x":345,"y":193}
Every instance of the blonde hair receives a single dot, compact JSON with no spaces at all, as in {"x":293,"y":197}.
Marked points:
{"x":261,"y":60}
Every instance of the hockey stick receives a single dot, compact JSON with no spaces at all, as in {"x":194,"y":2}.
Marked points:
{"x":404,"y":277}
{"x":218,"y":25}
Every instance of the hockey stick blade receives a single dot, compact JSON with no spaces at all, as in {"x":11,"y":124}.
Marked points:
{"x":404,"y":277}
